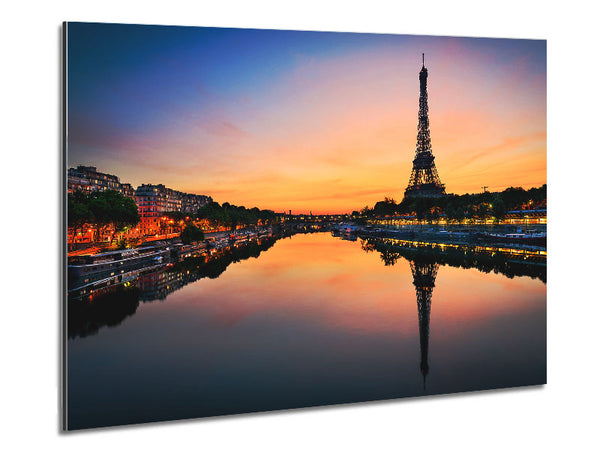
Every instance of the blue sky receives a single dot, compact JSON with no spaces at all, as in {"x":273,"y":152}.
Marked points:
{"x":261,"y":117}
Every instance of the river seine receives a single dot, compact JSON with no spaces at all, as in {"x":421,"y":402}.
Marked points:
{"x":307,"y":320}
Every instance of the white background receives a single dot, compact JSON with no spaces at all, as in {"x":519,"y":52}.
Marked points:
{"x":562,"y":414}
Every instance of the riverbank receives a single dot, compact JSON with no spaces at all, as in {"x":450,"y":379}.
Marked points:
{"x":150,"y":240}
{"x":507,"y":261}
{"x":91,"y":273}
{"x":499,"y":236}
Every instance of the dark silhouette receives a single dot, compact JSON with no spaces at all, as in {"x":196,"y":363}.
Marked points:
{"x":458,"y":207}
{"x":424,"y":280}
{"x":424,"y":265}
{"x":191,"y":233}
{"x":465,"y":257}
{"x":112,"y":305}
{"x":101,"y":209}
{"x":424,"y":179}
{"x":108,"y":309}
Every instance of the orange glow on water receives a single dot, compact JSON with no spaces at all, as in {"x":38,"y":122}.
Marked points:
{"x":320,"y":290}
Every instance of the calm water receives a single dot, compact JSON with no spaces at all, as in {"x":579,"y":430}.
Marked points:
{"x":313,"y":320}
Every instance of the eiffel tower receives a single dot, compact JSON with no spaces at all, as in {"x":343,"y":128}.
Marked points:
{"x":424,"y":280}
{"x":424,"y":179}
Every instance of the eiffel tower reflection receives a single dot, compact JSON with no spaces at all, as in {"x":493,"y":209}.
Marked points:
{"x":424,"y":280}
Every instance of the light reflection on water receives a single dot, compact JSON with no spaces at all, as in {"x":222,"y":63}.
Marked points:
{"x":313,"y":320}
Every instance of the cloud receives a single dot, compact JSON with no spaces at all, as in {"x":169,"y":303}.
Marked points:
{"x":349,"y":194}
{"x":508,"y":144}
{"x":222,"y":129}
{"x":336,"y":131}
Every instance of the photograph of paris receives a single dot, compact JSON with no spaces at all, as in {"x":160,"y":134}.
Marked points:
{"x":260,"y":220}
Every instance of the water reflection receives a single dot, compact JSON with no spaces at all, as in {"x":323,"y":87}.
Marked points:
{"x":424,"y":280}
{"x":109,"y":306}
{"x":425,"y":261}
{"x":312,"y":321}
{"x":108,"y":309}
{"x":507,"y":264}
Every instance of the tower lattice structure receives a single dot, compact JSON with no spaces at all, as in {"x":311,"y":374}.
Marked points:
{"x":424,"y":179}
{"x":424,"y":280}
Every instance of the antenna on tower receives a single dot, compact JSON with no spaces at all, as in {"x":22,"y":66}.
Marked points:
{"x":423,"y":59}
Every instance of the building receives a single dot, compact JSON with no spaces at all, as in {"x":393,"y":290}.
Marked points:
{"x":173,"y":199}
{"x":76,"y":182}
{"x":88,"y":179}
{"x":155,"y":200}
{"x":151,"y":202}
{"x":190,"y":203}
{"x":128,"y":190}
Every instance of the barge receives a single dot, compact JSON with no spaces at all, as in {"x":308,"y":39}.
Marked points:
{"x":119,"y":261}
{"x":538,"y":239}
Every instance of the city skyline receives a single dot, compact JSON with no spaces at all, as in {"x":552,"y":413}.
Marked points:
{"x":324,"y":122}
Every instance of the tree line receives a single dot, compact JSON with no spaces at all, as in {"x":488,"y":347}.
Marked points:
{"x":105,"y":209}
{"x":231,"y":216}
{"x":101,"y":210}
{"x":220,"y":216}
{"x":458,"y":207}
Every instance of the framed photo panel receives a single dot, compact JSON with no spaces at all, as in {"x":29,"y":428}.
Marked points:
{"x":261,"y":220}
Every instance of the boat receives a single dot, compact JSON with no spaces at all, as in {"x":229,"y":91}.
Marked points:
{"x":182,"y":251}
{"x":118,"y":261}
{"x":346,"y":228}
{"x":81,"y":288}
{"x":514,"y":238}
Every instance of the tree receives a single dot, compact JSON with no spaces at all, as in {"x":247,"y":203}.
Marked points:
{"x":191,"y":233}
{"x":389,"y":257}
{"x":366,"y":211}
{"x":124,"y":212}
{"x":459,"y":214}
{"x":387,"y":207}
{"x":450,"y":213}
{"x":79,"y":213}
{"x":514,"y":197}
{"x":470,"y":212}
{"x":434,"y":214}
{"x":419,"y":208}
{"x":482,"y":211}
{"x":111,"y":208}
{"x":229,"y":215}
{"x":498,"y":209}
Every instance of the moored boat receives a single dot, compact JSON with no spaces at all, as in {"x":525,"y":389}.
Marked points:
{"x":514,"y":238}
{"x":118,"y":261}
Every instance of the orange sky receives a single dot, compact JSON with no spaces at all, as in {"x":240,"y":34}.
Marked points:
{"x":327,"y":131}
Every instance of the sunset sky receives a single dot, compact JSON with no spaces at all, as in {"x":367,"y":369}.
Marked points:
{"x":321,"y":122}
